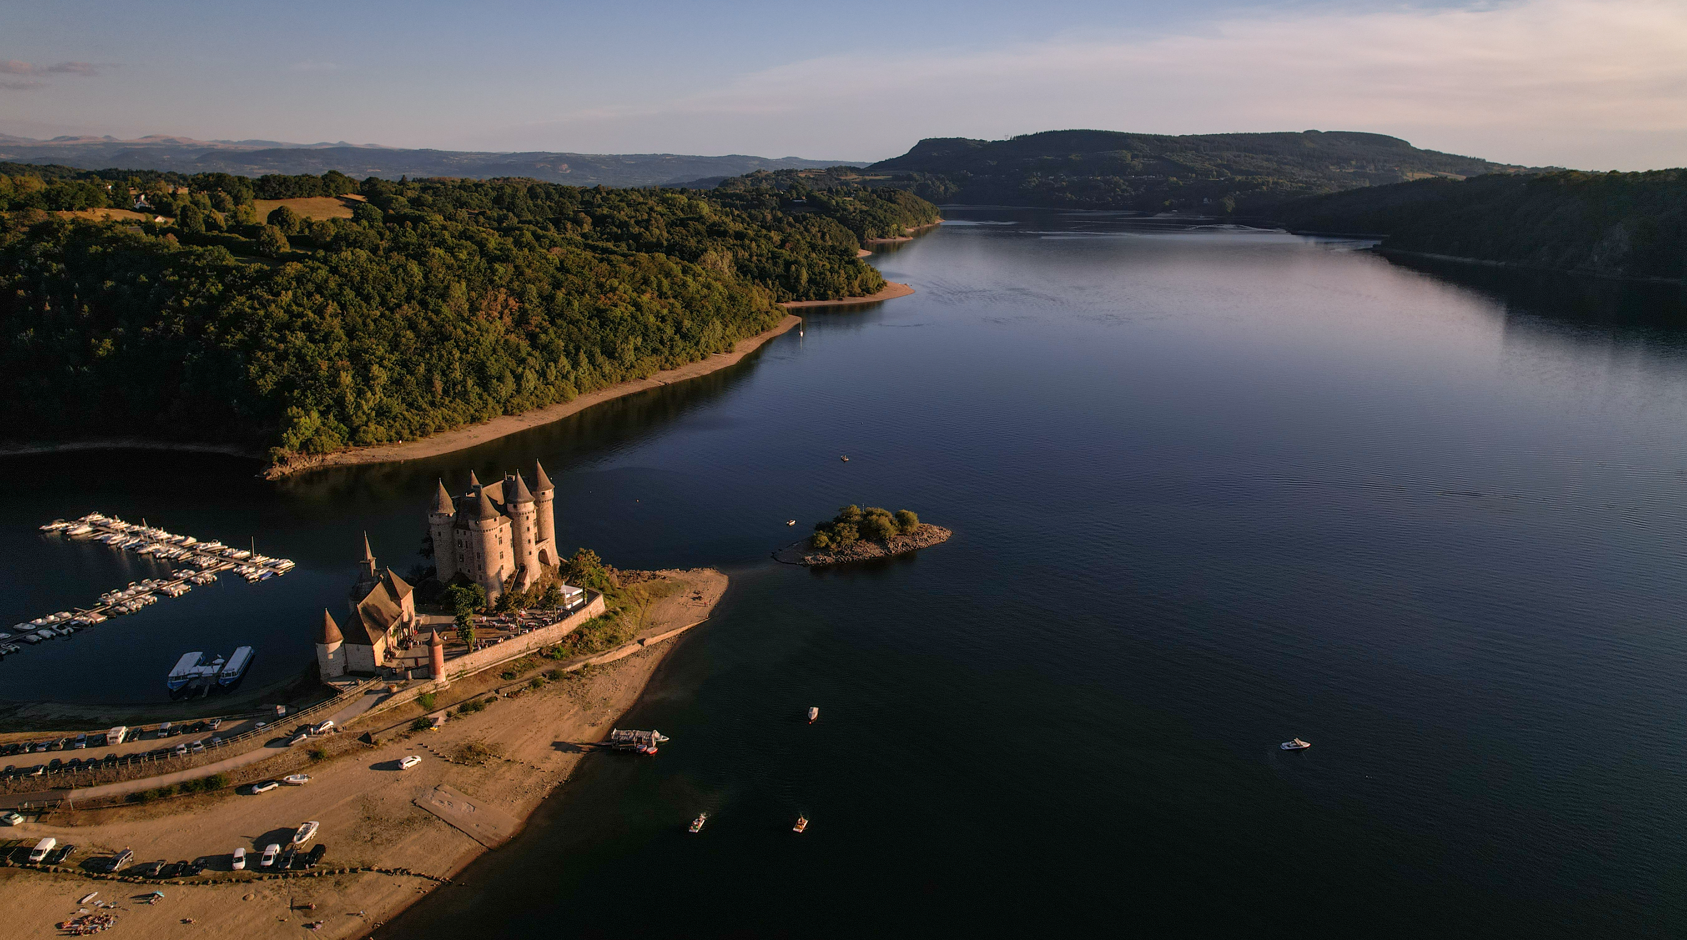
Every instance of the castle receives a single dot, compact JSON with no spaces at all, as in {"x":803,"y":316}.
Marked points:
{"x":383,"y":613}
{"x":494,"y":531}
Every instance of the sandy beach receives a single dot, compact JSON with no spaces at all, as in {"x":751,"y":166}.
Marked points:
{"x":892,"y":290}
{"x":384,"y":849}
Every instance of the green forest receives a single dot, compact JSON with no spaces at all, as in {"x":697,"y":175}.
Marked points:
{"x":1216,"y":174}
{"x":1609,"y":224}
{"x":439,"y":303}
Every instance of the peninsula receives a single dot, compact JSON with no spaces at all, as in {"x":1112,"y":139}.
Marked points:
{"x":405,"y":310}
{"x":490,"y":708}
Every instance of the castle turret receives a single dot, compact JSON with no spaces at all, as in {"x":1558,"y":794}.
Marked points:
{"x":330,"y":658}
{"x":543,"y":494}
{"x":524,"y":534}
{"x":439,"y":527}
{"x":482,"y":552}
{"x":436,"y":658}
{"x":367,"y":577}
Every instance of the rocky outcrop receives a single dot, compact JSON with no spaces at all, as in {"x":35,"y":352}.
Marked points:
{"x":800,"y":553}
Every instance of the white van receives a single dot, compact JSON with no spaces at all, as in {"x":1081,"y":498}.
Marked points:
{"x":41,"y":849}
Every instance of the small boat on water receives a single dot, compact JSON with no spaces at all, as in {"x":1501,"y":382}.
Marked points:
{"x":802,"y":824}
{"x":813,"y":714}
{"x":697,"y":824}
{"x":1295,"y":745}
{"x":845,"y":459}
{"x":235,"y":667}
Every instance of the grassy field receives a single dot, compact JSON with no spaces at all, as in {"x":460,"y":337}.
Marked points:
{"x":310,"y":207}
{"x":120,"y":215}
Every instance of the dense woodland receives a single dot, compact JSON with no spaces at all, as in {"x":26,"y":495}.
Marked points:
{"x":1207,"y":173}
{"x":1610,"y":224}
{"x":439,"y":303}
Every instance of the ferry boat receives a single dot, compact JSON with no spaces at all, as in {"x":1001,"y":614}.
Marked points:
{"x":1295,"y":745}
{"x":697,"y":824}
{"x":235,"y":667}
{"x":802,"y":824}
{"x":187,"y":669}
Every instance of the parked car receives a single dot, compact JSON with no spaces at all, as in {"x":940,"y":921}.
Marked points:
{"x":81,"y":741}
{"x":238,"y":861}
{"x":180,"y":750}
{"x":264,"y":787}
{"x":120,"y":860}
{"x":197,"y":747}
{"x":38,"y":854}
{"x":315,"y":855}
{"x":60,"y":854}
{"x":199,"y":864}
{"x":11,"y":819}
{"x":270,"y":852}
{"x":151,"y":869}
{"x":172,"y":870}
{"x":409,"y":762}
{"x":324,"y":728}
{"x":214,"y":724}
{"x":297,"y":738}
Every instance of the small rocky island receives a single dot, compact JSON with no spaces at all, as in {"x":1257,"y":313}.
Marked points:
{"x":857,"y":534}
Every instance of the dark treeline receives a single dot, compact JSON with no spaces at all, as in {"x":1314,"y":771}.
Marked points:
{"x":1610,"y":224}
{"x":439,"y":303}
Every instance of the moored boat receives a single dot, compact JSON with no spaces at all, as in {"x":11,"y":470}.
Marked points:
{"x":802,"y":824}
{"x":697,"y":824}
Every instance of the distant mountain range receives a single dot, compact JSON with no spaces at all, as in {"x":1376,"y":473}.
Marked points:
{"x":1211,"y":173}
{"x":258,"y":157}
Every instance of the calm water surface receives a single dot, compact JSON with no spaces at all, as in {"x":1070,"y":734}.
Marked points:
{"x":1212,"y":489}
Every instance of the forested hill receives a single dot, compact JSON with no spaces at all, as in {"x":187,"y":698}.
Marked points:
{"x":1208,"y":173}
{"x":435,"y":304}
{"x":260,"y":157}
{"x":1610,"y":224}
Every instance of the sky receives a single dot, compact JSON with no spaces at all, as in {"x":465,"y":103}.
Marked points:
{"x":1592,"y":85}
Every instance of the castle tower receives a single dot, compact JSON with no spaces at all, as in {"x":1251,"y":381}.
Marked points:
{"x":436,"y":659}
{"x":439,"y":526}
{"x":482,"y":550}
{"x":474,"y":483}
{"x":330,"y":658}
{"x":524,"y":534}
{"x":543,"y":494}
{"x":367,"y":577}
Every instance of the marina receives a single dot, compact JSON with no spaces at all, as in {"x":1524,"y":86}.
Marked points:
{"x":201,"y":563}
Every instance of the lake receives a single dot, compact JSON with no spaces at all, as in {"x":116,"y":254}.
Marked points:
{"x":1212,"y":488}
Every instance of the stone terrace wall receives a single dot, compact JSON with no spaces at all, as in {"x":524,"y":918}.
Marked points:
{"x":516,"y":647}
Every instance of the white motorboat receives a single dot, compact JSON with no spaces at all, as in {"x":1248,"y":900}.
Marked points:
{"x":306,"y":832}
{"x":813,"y":714}
{"x":296,"y":780}
{"x":1295,"y":745}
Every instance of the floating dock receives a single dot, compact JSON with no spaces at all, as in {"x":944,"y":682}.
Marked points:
{"x":202,"y":563}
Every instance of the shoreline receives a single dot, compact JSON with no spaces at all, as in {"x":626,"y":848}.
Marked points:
{"x":462,"y":438}
{"x":908,"y":235}
{"x":389,"y":847}
{"x":891,"y":291}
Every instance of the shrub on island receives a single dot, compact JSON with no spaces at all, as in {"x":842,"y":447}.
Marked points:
{"x":852,"y":524}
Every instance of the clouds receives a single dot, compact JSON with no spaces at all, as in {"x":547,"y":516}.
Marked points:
{"x":1535,"y":81}
{"x":18,"y":67}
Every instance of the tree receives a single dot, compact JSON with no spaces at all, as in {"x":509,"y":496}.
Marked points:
{"x":587,"y":570}
{"x":271,"y":243}
{"x":191,"y":220}
{"x":907,"y":522}
{"x":365,"y":214}
{"x":285,"y":219}
{"x":465,"y":628}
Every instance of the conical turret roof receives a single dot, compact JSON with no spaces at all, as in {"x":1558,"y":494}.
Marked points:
{"x":474,"y":481}
{"x":368,"y":553}
{"x":442,"y":500}
{"x":481,"y":507}
{"x":330,"y":630}
{"x":520,"y":494}
{"x":434,"y":642}
{"x":541,"y":482}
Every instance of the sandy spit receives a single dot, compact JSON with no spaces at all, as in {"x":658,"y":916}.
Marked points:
{"x":892,"y":290}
